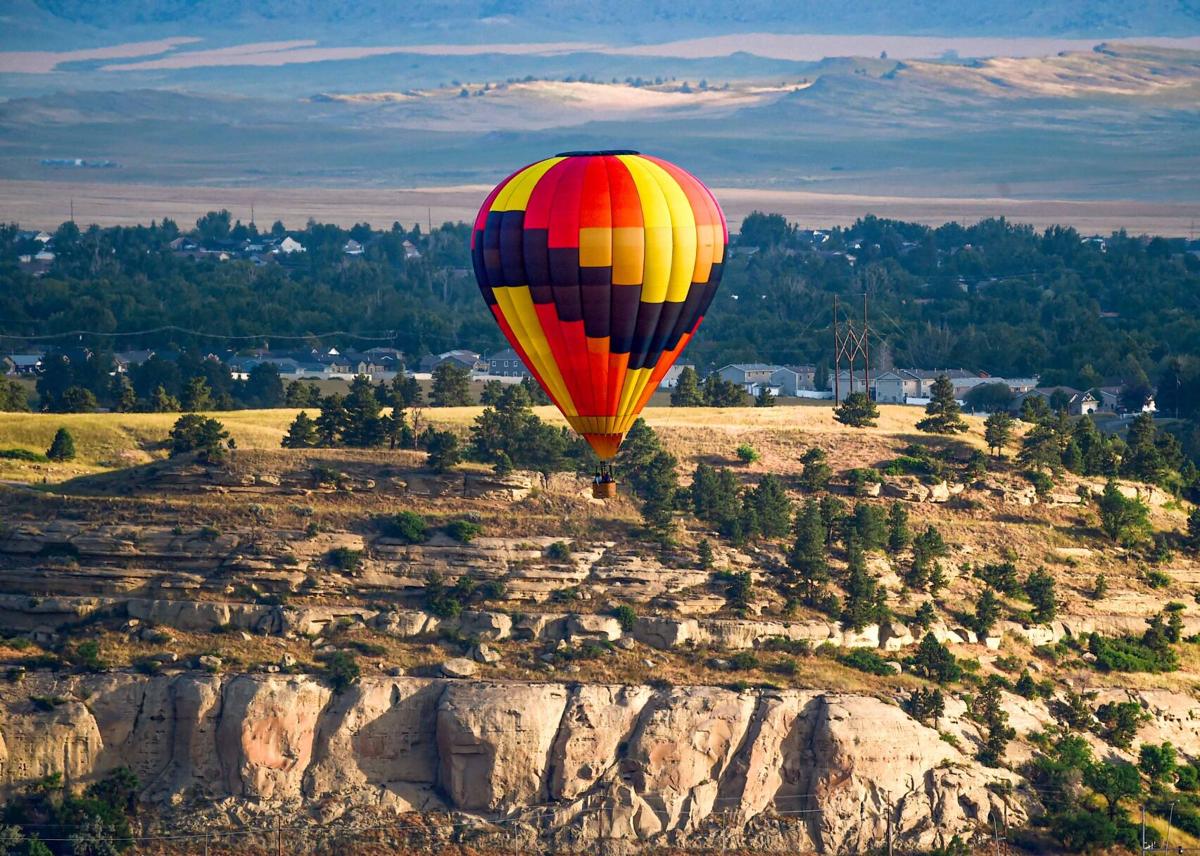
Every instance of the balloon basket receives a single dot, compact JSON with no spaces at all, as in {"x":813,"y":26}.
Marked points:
{"x":604,"y":490}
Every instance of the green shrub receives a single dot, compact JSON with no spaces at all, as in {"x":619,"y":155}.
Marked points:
{"x":747,"y":454}
{"x":744,"y":661}
{"x":559,"y":551}
{"x":23,"y":455}
{"x":866,"y":660}
{"x":463,"y":531}
{"x":344,"y":559}
{"x":407,"y":526}
{"x":625,"y":617}
{"x":341,"y":670}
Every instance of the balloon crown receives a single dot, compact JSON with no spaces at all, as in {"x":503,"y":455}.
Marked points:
{"x":584,"y":154}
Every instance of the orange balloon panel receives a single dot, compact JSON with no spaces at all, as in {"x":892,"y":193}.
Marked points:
{"x":599,"y":267}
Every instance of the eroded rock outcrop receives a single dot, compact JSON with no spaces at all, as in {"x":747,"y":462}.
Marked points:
{"x":772,"y":769}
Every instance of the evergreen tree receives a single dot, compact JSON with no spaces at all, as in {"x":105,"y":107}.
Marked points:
{"x":451,"y":386}
{"x":62,"y":448}
{"x":363,"y":427}
{"x":13,"y":398}
{"x":1039,"y":587}
{"x":78,"y":399}
{"x":1034,"y":409}
{"x":301,"y":394}
{"x":926,"y":705}
{"x":491,"y":393}
{"x":1143,"y":459}
{"x":1193,"y":530}
{"x":442,"y":450}
{"x":765,"y":397}
{"x":704,"y":554}
{"x":163,"y":402}
{"x":933,"y":661}
{"x":773,"y":509}
{"x":942,"y":413}
{"x":405,"y":391}
{"x":719,"y":392}
{"x":687,"y":389}
{"x":816,"y":473}
{"x":928,"y":547}
{"x":987,"y":709}
{"x":396,"y":429}
{"x":704,"y":495}
{"x":205,"y":436}
{"x":869,"y":526}
{"x":987,"y":611}
{"x":865,"y":598}
{"x":660,"y":485}
{"x":331,"y":421}
{"x":197,"y":395}
{"x":833,"y":516}
{"x":807,"y":556}
{"x":997,"y":430}
{"x":1072,"y":457}
{"x":302,"y":433}
{"x":898,"y":535}
{"x":1041,"y":448}
{"x":123,"y":396}
{"x":856,"y":410}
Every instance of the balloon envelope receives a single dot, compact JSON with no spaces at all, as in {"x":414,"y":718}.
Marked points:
{"x":599,"y":267}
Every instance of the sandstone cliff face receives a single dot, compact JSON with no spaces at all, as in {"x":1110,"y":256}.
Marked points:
{"x":569,"y":765}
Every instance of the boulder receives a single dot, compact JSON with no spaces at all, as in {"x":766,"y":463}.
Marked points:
{"x":603,"y":627}
{"x":459,"y":667}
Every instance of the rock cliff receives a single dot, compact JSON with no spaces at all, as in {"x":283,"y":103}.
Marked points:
{"x":564,"y":767}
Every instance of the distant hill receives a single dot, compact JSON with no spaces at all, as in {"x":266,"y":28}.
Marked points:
{"x":642,"y":21}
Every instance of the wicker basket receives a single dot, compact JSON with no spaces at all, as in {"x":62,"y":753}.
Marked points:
{"x":604,"y":490}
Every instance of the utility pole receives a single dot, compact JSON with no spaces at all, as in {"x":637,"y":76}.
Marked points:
{"x":837,"y":357}
{"x":851,"y":344}
{"x":278,"y":838}
{"x":1143,"y":827}
{"x":1170,"y":821}
{"x":206,"y":836}
{"x":72,"y":209}
{"x":996,"y":835}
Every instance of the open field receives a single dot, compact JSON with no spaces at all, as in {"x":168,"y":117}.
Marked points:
{"x":45,"y":204}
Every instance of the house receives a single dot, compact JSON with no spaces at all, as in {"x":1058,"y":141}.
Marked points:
{"x":960,"y":379}
{"x":791,"y":379}
{"x":1110,"y":400}
{"x":24,"y":364}
{"x":746,"y":375}
{"x":468,"y":360}
{"x":671,"y":378}
{"x":1077,"y":402}
{"x":410,"y":250}
{"x":846,"y":384}
{"x":289,"y":245}
{"x":894,"y":386}
{"x":125,"y":359}
{"x":353,"y":248}
{"x":507,"y":363}
{"x":44,"y":256}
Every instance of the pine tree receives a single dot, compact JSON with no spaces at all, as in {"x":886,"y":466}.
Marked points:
{"x":816,"y":473}
{"x":62,"y":448}
{"x":987,"y":709}
{"x":833,"y":516}
{"x":442,"y":450}
{"x":491,"y":393}
{"x":856,"y":410}
{"x":163,"y":402}
{"x":987,"y":611}
{"x":123,"y":396}
{"x":703,"y":492}
{"x":197,"y":395}
{"x":765,"y":397}
{"x":928,"y":547}
{"x":363,"y":428}
{"x":451,"y":386}
{"x":942,"y":413}
{"x":302,"y":433}
{"x":396,"y":428}
{"x":865,"y":598}
{"x":869,"y":526}
{"x":807,"y":556}
{"x":1124,"y":519}
{"x":898,"y":535}
{"x":331,"y":421}
{"x":13,"y":398}
{"x":405,"y":391}
{"x":1072,"y":457}
{"x":1193,"y":530}
{"x":658,"y":494}
{"x":1041,"y":448}
{"x":997,"y":429}
{"x":773,"y":509}
{"x":1039,"y":587}
{"x":687,"y":389}
{"x":704,"y":554}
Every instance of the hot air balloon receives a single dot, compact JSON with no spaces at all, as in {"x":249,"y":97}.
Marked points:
{"x":599,"y":267}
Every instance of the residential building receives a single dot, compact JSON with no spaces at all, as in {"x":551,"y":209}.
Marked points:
{"x":792,"y":379}
{"x":352,"y":248}
{"x":507,"y":363}
{"x":466,"y":359}
{"x":1077,"y":402}
{"x":746,"y":375}
{"x":289,"y":245}
{"x":671,"y":378}
{"x":24,"y":364}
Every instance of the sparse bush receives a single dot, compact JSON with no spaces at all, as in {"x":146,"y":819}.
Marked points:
{"x":341,"y":670}
{"x":344,"y":559}
{"x":866,"y":660}
{"x":559,"y":551}
{"x":463,"y":531}
{"x":747,"y":454}
{"x":407,"y":526}
{"x":625,"y":616}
